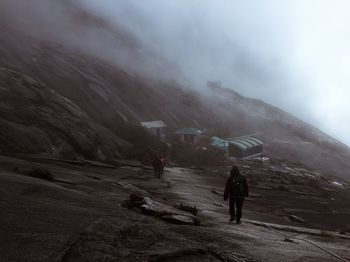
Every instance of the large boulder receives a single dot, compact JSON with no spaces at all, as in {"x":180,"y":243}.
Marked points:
{"x":163,"y":211}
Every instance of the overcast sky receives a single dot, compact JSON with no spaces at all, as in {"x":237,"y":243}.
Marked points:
{"x":294,"y":54}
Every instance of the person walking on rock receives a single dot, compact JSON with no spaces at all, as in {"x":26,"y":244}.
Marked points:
{"x":163,"y":160}
{"x":236,"y":190}
{"x":157,"y":166}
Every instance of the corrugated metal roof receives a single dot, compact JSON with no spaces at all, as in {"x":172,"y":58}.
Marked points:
{"x":218,"y":142}
{"x":153,"y":124}
{"x":188,"y":131}
{"x":245,"y":143}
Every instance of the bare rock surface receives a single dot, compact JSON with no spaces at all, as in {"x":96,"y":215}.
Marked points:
{"x":83,"y":220}
{"x":295,"y":218}
{"x":36,"y":119}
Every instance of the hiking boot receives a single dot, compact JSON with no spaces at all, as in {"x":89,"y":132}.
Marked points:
{"x":238,"y":222}
{"x":232,"y":219}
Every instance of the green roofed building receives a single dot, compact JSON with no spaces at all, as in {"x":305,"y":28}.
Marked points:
{"x":220,"y":143}
{"x":240,"y":147}
{"x":189,"y":134}
{"x":244,"y":147}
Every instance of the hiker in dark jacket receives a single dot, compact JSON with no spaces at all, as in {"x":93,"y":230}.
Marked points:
{"x":236,"y":189}
{"x":157,"y":166}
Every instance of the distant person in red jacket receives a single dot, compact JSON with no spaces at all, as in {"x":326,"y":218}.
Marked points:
{"x":163,"y":160}
{"x":236,"y":190}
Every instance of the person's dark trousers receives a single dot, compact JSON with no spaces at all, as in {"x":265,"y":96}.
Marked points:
{"x":236,"y":204}
{"x":157,"y":173}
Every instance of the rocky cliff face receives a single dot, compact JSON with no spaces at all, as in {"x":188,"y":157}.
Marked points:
{"x":37,"y":119}
{"x":58,"y":100}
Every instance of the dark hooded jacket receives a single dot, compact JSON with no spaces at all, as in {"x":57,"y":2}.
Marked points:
{"x":236,"y":186}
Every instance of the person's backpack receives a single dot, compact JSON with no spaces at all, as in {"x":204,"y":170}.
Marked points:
{"x":237,"y":185}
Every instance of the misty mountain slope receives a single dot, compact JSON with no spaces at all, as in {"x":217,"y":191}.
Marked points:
{"x":36,"y":119}
{"x":108,"y":95}
{"x":70,"y":24}
{"x":285,"y":135}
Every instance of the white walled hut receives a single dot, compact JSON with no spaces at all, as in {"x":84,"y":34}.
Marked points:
{"x":156,"y":128}
{"x":245,"y":147}
{"x":189,"y":135}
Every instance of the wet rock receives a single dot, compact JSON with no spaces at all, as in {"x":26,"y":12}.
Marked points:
{"x":299,"y":230}
{"x":289,"y":240}
{"x":134,"y":201}
{"x":110,"y":239}
{"x":345,"y":230}
{"x":177,"y":254}
{"x":217,"y":192}
{"x":92,"y":176}
{"x":191,"y":209}
{"x":254,"y":195}
{"x":179,"y":219}
{"x":295,"y":218}
{"x":66,"y":151}
{"x":132,"y":188}
{"x":36,"y":172}
{"x":125,"y":162}
{"x":98,"y":164}
{"x":225,"y":254}
{"x":157,"y":209}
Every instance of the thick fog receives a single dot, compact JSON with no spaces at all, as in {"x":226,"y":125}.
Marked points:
{"x":293,"y":54}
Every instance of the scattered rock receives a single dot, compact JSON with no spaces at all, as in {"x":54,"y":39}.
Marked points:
{"x":191,"y":209}
{"x":158,"y":209}
{"x":165,"y":212}
{"x":134,"y":201}
{"x":295,"y":218}
{"x":178,"y":219}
